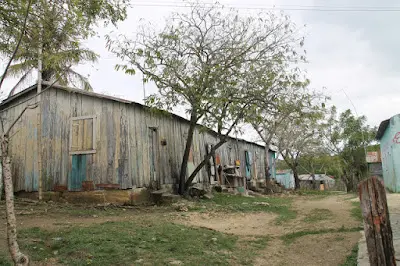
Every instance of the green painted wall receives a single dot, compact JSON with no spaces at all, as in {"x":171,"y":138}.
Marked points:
{"x":390,"y":151}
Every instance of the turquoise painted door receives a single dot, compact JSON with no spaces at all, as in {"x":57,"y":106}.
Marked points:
{"x":248,"y":164}
{"x":78,"y":173}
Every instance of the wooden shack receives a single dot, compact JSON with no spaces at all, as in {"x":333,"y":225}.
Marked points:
{"x":74,"y":137}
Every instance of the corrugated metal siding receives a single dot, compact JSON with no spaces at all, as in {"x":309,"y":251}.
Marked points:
{"x":23,"y":147}
{"x":122,"y":143}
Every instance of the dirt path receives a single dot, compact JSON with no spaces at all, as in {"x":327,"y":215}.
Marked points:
{"x":242,"y":224}
{"x":319,"y":249}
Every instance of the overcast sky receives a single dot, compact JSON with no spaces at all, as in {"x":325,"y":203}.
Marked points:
{"x":356,"y":52}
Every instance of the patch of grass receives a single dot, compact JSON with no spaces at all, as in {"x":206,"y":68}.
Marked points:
{"x":356,"y":211}
{"x":4,"y":261}
{"x":260,"y":241}
{"x":290,"y":238}
{"x":311,"y":192}
{"x":123,"y":243}
{"x":351,"y":196}
{"x":90,"y":211}
{"x":351,"y":260}
{"x":316,"y":215}
{"x":237,"y":203}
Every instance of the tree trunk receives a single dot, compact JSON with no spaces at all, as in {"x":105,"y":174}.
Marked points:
{"x":1,"y":181}
{"x":314,"y":185}
{"x":18,"y":257}
{"x":296,"y":179}
{"x":201,"y":165}
{"x":349,"y":183}
{"x":267,"y":167}
{"x":378,"y":232}
{"x":189,"y":140}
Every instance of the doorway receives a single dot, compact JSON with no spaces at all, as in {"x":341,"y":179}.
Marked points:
{"x":153,"y":155}
{"x":78,"y":174}
{"x":248,"y":162}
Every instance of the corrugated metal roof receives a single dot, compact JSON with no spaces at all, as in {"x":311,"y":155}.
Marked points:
{"x":382,"y":128}
{"x":317,"y":177}
{"x":103,"y":96}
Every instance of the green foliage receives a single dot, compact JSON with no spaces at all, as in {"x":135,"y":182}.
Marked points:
{"x":237,"y":203}
{"x":347,"y":137}
{"x":320,"y":164}
{"x":356,"y":211}
{"x":157,"y":243}
{"x":299,"y":137}
{"x":4,"y":261}
{"x":220,"y":65}
{"x":59,"y":27}
{"x":351,"y":260}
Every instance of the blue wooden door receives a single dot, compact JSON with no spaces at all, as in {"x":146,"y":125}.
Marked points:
{"x":248,"y":164}
{"x":78,"y":173}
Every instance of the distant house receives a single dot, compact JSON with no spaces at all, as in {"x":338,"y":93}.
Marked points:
{"x":374,"y":163}
{"x":319,"y":181}
{"x":389,"y":136}
{"x":75,"y":137}
{"x":285,"y":178}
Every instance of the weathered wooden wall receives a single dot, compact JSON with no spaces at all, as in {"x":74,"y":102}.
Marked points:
{"x":23,"y":147}
{"x":122,"y":143}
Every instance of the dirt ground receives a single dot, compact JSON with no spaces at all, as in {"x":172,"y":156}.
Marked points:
{"x":318,"y":249}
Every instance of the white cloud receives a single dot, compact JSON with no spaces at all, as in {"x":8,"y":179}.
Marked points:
{"x":354,"y":51}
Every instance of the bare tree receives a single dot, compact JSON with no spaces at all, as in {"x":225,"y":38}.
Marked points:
{"x":268,"y":121}
{"x":300,"y":136}
{"x":211,"y":61}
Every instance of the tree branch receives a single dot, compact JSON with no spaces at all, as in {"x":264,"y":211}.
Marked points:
{"x":18,"y":43}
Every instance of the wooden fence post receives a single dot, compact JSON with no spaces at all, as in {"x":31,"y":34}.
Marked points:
{"x":378,"y":232}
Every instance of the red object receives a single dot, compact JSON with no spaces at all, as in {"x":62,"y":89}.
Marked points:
{"x":60,"y":188}
{"x":87,"y":185}
{"x":217,"y":160}
{"x":108,"y":186}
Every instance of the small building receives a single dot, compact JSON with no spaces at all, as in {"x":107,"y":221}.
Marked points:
{"x":285,"y":178}
{"x":389,"y":136}
{"x":374,"y":163}
{"x":319,"y":181}
{"x":77,"y":140}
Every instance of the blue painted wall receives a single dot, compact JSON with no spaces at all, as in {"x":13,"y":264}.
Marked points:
{"x":285,"y":178}
{"x":272,"y":162}
{"x":390,"y":151}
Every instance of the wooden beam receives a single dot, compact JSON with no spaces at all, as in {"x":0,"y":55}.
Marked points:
{"x":378,"y":232}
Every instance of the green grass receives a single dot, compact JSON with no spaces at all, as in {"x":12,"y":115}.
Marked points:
{"x":351,"y":260}
{"x":356,"y":211}
{"x":260,"y":242}
{"x":4,"y":261}
{"x":290,"y":238}
{"x":237,"y":203}
{"x":311,"y":192}
{"x":316,"y":215}
{"x":123,"y":243}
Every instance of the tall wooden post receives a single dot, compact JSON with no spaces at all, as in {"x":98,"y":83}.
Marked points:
{"x":378,"y":232}
{"x":39,"y":124}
